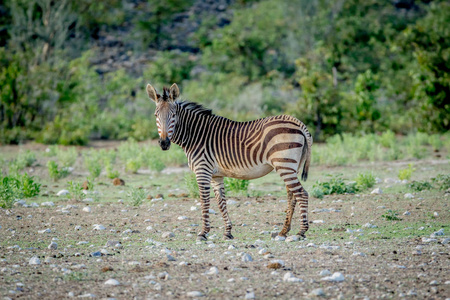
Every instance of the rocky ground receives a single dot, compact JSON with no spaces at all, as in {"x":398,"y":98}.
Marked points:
{"x":61,"y":249}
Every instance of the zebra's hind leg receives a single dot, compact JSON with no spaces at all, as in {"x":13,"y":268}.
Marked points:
{"x":204,"y":186}
{"x":219,"y":192}
{"x":289,"y":213}
{"x":299,"y":195}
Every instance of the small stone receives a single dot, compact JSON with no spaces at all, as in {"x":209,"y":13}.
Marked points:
{"x":212,"y":271}
{"x":246,"y":257}
{"x":231,"y":247}
{"x":292,"y":238}
{"x":193,"y":208}
{"x":182,"y":218}
{"x":78,"y":227}
{"x":318,"y":221}
{"x":194,"y":294}
{"x":336,"y":277}
{"x":231,"y":202}
{"x":115,"y":244}
{"x":212,"y":211}
{"x":317,"y":292}
{"x":250,"y":295}
{"x":53,"y":246}
{"x":96,"y":254}
{"x":434,"y":282}
{"x":437,"y":233}
{"x":289,"y":277}
{"x":406,"y":213}
{"x":87,"y":209}
{"x":45,"y":231}
{"x":368,"y":225}
{"x":435,"y":214}
{"x":325,"y":273}
{"x":168,"y":234}
{"x":89,"y":295}
{"x":47,"y":203}
{"x":34,"y":261}
{"x":408,"y":196}
{"x":377,"y":191}
{"x":99,"y":227}
{"x":416,"y":252}
{"x":62,"y":193}
{"x":170,"y":258}
{"x":112,"y":282}
{"x":445,"y":241}
{"x":280,"y":238}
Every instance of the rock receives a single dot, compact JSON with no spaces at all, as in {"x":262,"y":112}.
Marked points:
{"x":246,"y":257}
{"x":289,"y":277}
{"x":231,"y":202}
{"x":194,"y":294}
{"x":434,"y":282}
{"x":164,"y":275}
{"x":280,"y":238}
{"x":117,"y":181}
{"x":368,"y":225}
{"x":377,"y":191}
{"x":34,"y":261}
{"x":62,"y":193}
{"x":325,"y":273}
{"x":318,"y":221}
{"x":99,"y":227}
{"x":89,"y":295}
{"x":49,"y":203}
{"x":194,"y":208}
{"x":212,"y":271}
{"x":231,"y":247}
{"x":20,"y":203}
{"x":317,"y":292}
{"x":406,"y":213}
{"x":96,"y":254}
{"x":445,"y":241}
{"x":336,"y":277}
{"x":112,"y":282}
{"x":249,"y":295}
{"x":408,"y":196}
{"x":78,"y":227}
{"x":87,"y":209}
{"x":170,"y":258}
{"x":437,"y":233}
{"x":212,"y":211}
{"x":53,"y":246}
{"x":115,"y":244}
{"x":182,"y":218}
{"x":45,"y":231}
{"x":435,"y":214}
{"x":168,"y":234}
{"x":292,"y":238}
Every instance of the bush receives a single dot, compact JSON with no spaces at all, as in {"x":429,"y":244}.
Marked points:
{"x":137,"y":196}
{"x":419,"y":186}
{"x":365,"y":181}
{"x":442,"y":181}
{"x":93,"y":164}
{"x":16,"y":187}
{"x":75,"y":191}
{"x":236,"y":185}
{"x":405,"y":174}
{"x":67,"y":157}
{"x":55,"y":172}
{"x":191,"y":184}
{"x":391,"y":215}
{"x":336,"y":185}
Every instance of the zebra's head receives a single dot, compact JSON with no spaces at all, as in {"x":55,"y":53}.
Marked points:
{"x":164,"y":112}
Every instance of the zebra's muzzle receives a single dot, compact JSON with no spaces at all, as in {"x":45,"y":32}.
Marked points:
{"x":164,"y":144}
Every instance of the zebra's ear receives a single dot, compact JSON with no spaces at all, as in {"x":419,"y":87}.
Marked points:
{"x":174,"y":91}
{"x":152,"y":93}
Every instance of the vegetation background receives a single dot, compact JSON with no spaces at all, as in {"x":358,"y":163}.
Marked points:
{"x":71,"y":71}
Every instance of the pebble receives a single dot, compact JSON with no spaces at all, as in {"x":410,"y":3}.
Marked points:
{"x":317,"y":292}
{"x":89,"y":295}
{"x":437,"y":233}
{"x":377,"y":191}
{"x":250,"y":295}
{"x":325,"y":272}
{"x":212,"y":211}
{"x":428,"y":240}
{"x":96,"y":254}
{"x":194,"y":208}
{"x":262,"y":251}
{"x":435,"y":214}
{"x":408,"y":196}
{"x":99,"y":227}
{"x":292,"y":238}
{"x":194,"y":294}
{"x":231,"y":247}
{"x":168,"y":234}
{"x":368,"y":225}
{"x":87,"y":209}
{"x":45,"y":231}
{"x":34,"y":261}
{"x":62,"y":193}
{"x":434,"y":282}
{"x":356,"y":253}
{"x":170,"y":258}
{"x":279,"y":238}
{"x":212,"y":271}
{"x":149,"y":228}
{"x":246,"y":257}
{"x":318,"y":221}
{"x":53,"y":246}
{"x":78,"y":227}
{"x":212,"y":245}
{"x":182,"y":218}
{"x":445,"y":241}
{"x":336,"y":277}
{"x":115,"y":244}
{"x":406,"y":213}
{"x":231,"y":202}
{"x":289,"y":277}
{"x":112,"y":282}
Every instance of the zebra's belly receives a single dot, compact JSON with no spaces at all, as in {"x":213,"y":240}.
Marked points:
{"x":250,"y":173}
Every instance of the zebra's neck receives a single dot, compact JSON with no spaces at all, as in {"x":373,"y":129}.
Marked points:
{"x":191,"y":125}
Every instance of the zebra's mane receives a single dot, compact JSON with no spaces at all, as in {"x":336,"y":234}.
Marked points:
{"x":195,"y":107}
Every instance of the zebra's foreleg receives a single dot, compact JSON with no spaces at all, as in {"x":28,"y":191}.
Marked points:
{"x":204,"y":182}
{"x":219,"y":192}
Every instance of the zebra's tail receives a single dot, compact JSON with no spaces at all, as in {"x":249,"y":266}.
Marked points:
{"x":306,"y":153}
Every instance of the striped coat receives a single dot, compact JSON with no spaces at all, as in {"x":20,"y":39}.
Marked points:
{"x":217,"y":147}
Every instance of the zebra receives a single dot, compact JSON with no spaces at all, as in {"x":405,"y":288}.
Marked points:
{"x":217,"y":147}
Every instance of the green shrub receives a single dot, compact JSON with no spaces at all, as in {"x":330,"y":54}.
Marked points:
{"x":67,"y":157}
{"x":317,"y":192}
{"x":435,"y":142}
{"x":29,"y":187}
{"x":365,"y":181}
{"x":15,"y":187}
{"x":75,"y":191}
{"x":405,"y":174}
{"x":137,"y":196}
{"x":25,"y":159}
{"x":93,"y":165}
{"x":236,"y":185}
{"x":191,"y":184}
{"x":336,"y":185}
{"x":133,"y":165}
{"x":391,"y":215}
{"x":419,"y":186}
{"x":55,"y":172}
{"x":110,"y":172}
{"x":442,"y":181}
{"x":387,"y":139}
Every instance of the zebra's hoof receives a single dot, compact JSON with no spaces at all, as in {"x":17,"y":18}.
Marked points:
{"x":275,"y":234}
{"x":201,"y":237}
{"x":228,"y":236}
{"x":301,"y":235}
